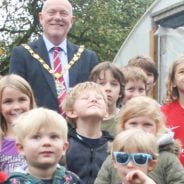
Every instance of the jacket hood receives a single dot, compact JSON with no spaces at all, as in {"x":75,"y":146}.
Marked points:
{"x":167,"y":143}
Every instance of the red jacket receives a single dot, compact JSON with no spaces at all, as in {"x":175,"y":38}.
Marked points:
{"x":175,"y":120}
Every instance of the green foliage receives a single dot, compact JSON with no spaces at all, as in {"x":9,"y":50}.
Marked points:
{"x":100,"y":25}
{"x":18,"y":23}
{"x":103,"y":25}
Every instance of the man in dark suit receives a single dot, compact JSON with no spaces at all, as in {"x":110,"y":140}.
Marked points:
{"x":34,"y":61}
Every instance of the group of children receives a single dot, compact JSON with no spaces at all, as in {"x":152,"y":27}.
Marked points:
{"x":35,"y":142}
{"x":144,"y":113}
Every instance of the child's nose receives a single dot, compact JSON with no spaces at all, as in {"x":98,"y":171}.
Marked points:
{"x":107,"y":86}
{"x":136,"y":93}
{"x":130,"y":164}
{"x":46,"y":141}
{"x":93,"y":99}
{"x":16,"y":105}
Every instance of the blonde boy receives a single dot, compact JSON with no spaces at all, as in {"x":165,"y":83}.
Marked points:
{"x":85,"y":105}
{"x":42,"y":140}
{"x":135,"y":82}
{"x":134,"y":154}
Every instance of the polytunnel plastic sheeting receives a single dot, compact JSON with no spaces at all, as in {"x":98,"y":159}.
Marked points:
{"x":170,"y":46}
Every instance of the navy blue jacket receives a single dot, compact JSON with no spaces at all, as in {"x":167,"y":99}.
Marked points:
{"x":85,"y":159}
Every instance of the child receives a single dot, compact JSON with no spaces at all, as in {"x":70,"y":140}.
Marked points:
{"x":173,"y":107}
{"x":86,"y":106}
{"x":16,"y":97}
{"x":144,"y":113}
{"x":135,"y":82}
{"x":42,"y":140}
{"x":111,"y":80}
{"x":148,"y":65}
{"x":134,"y":154}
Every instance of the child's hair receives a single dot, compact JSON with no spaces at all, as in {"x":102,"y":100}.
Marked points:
{"x":172,"y":91}
{"x":74,"y":93}
{"x":116,"y":72}
{"x":136,"y":139}
{"x":16,"y":82}
{"x":146,"y":63}
{"x":142,"y":106}
{"x":133,"y":73}
{"x":32,"y":121}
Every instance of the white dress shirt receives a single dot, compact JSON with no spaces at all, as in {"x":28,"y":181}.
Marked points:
{"x":62,"y":55}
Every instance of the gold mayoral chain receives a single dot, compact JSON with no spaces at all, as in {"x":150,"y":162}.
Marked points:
{"x":46,"y":66}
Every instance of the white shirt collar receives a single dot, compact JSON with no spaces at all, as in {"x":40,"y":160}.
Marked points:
{"x":49,"y":45}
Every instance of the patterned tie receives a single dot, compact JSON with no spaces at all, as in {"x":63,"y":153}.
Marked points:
{"x":60,"y":83}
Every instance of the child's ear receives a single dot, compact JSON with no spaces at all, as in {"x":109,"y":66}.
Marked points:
{"x":20,"y":149}
{"x":151,"y":165}
{"x":71,"y":114}
{"x":65,"y":147}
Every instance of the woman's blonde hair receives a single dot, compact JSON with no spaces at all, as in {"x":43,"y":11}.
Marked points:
{"x":142,"y":106}
{"x":16,"y":82}
{"x":31,"y":122}
{"x":135,"y":139}
{"x":172,"y":90}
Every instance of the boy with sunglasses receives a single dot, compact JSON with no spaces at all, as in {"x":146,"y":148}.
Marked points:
{"x":134,"y":154}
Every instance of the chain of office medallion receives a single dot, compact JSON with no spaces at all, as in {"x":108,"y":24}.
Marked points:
{"x":46,"y":66}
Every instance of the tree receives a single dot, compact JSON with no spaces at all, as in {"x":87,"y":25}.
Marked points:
{"x":100,"y":25}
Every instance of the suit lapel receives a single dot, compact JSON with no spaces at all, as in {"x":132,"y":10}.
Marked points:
{"x":40,"y":48}
{"x":71,"y":50}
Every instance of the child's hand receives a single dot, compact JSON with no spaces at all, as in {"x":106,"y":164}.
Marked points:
{"x":138,"y":177}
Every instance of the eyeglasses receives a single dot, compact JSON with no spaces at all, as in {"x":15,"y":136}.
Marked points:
{"x":137,"y":158}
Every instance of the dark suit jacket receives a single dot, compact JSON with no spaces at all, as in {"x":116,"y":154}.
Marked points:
{"x":42,"y":82}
